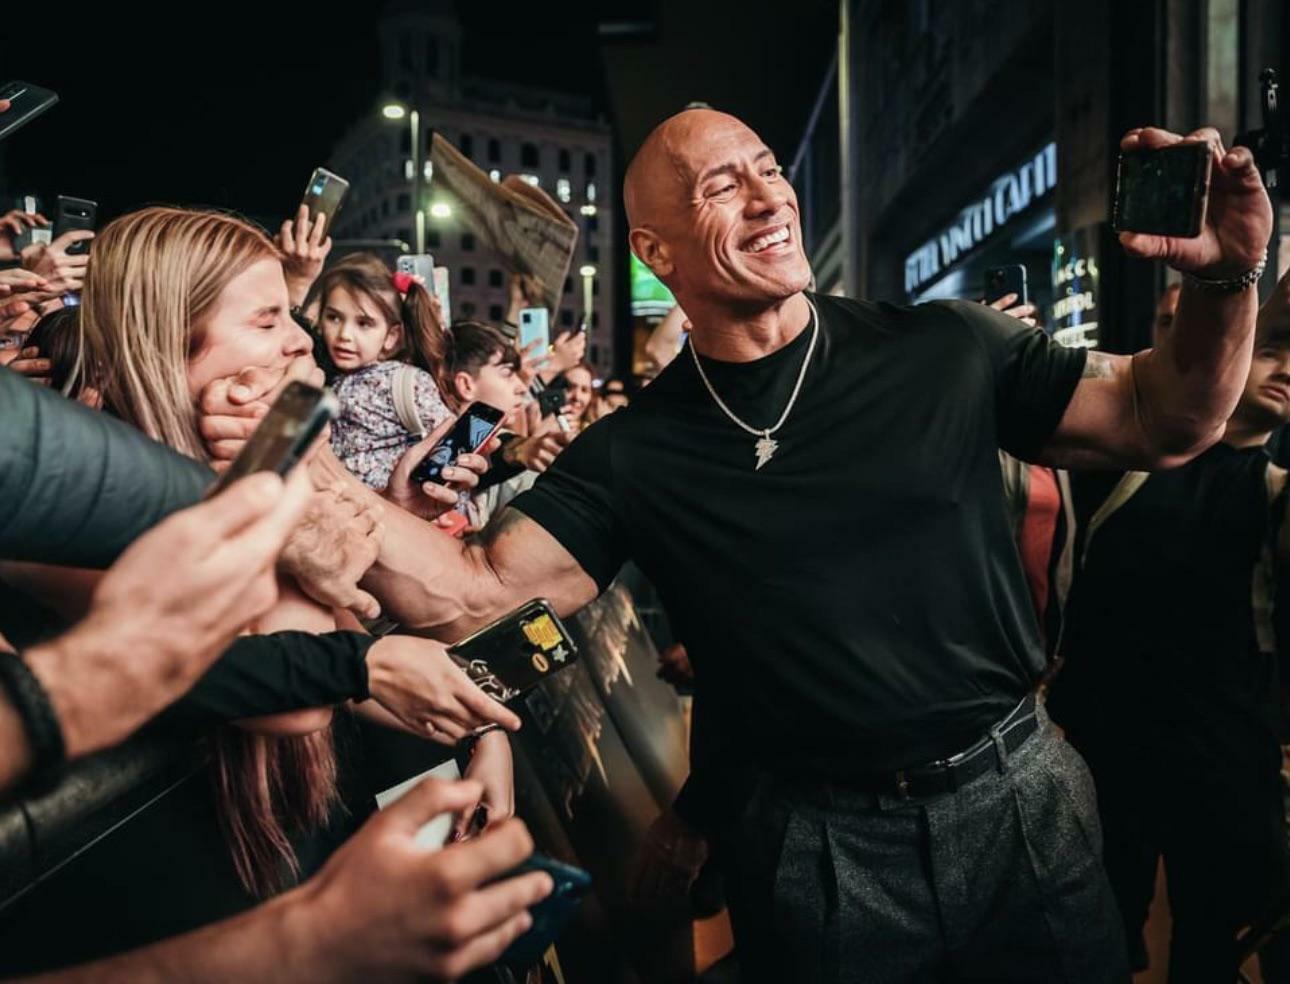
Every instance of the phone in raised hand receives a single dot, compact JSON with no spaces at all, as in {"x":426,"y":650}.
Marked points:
{"x":287,"y":431}
{"x":417,"y":265}
{"x":535,"y":327}
{"x":476,"y":426}
{"x":512,"y":655}
{"x":324,"y":195}
{"x":1165,"y":191}
{"x":26,"y":101}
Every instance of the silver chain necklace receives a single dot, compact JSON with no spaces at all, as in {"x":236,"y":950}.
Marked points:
{"x":766,"y":447}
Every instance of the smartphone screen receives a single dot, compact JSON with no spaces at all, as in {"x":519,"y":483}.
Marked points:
{"x":441,"y":292}
{"x":1163,"y":192}
{"x":27,"y":101}
{"x":325,"y":195}
{"x":296,"y":418}
{"x":1001,"y":281}
{"x":534,"y":327}
{"x":477,"y":424}
{"x":517,"y":652}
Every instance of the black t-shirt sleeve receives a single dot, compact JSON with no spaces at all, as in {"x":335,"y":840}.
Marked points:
{"x":574,"y":502}
{"x":1034,"y":377}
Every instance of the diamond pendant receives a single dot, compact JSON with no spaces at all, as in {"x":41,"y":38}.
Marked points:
{"x":765,"y":450}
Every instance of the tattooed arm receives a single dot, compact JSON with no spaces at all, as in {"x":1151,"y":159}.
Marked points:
{"x":446,"y":588}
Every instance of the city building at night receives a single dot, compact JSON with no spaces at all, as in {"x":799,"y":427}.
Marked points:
{"x":553,"y":140}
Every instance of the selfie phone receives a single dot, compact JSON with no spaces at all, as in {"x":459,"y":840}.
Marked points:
{"x":552,"y":399}
{"x":1163,"y":192}
{"x":1001,"y":281}
{"x":474,"y":428}
{"x":551,"y":915}
{"x":324,"y":195}
{"x":517,"y":652}
{"x":296,"y":418}
{"x":75,"y":213}
{"x":535,"y":327}
{"x":417,"y":265}
{"x":440,"y":282}
{"x":27,"y":102}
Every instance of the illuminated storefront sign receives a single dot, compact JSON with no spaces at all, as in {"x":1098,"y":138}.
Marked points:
{"x":1008,"y":195}
{"x":1075,"y":284}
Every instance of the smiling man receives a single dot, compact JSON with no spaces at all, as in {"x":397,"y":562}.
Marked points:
{"x":814,"y":488}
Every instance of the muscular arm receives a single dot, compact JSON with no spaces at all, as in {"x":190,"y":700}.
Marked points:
{"x":1161,"y":407}
{"x":445,"y":588}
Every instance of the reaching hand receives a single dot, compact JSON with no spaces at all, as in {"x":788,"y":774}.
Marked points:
{"x":14,"y":224}
{"x":492,"y":767}
{"x":430,"y":500}
{"x":567,"y":351}
{"x":1009,"y":306}
{"x":536,"y":453}
{"x":1238,"y":221}
{"x":304,"y":251}
{"x":336,"y":541}
{"x":63,"y":272}
{"x":229,"y":409}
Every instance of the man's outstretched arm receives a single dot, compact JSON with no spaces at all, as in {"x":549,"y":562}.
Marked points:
{"x":446,"y":588}
{"x":1163,"y":406}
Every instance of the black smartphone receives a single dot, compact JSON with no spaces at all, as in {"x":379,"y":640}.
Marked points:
{"x":1163,"y":192}
{"x":26,"y":101}
{"x":517,"y":652}
{"x":474,"y":428}
{"x":292,"y":424}
{"x":324,"y":195}
{"x":551,"y":915}
{"x":552,"y":399}
{"x":75,"y":213}
{"x":1005,"y":280}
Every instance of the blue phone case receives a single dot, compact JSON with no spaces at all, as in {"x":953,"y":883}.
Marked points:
{"x":552,"y":914}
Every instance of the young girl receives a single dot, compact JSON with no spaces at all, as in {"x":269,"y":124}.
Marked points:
{"x":386,"y":340}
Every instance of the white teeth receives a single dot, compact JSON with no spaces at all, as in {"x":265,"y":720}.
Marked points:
{"x":763,"y":242}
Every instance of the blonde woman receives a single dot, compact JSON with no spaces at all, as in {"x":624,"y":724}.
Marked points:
{"x":175,"y":299}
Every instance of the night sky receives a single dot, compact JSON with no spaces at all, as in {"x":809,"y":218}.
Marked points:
{"x":236,"y":110}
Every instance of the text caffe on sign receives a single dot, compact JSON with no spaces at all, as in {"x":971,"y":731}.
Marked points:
{"x":1008,"y":195}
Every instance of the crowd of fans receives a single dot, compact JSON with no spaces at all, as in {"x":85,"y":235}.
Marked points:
{"x":137,"y":370}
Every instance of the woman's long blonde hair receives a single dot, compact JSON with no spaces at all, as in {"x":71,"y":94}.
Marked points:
{"x":153,"y":275}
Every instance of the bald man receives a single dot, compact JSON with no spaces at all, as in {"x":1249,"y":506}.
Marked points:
{"x":813,"y":486}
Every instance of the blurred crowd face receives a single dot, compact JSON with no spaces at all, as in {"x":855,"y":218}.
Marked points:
{"x":1266,"y":399}
{"x":724,"y":216}
{"x":248,"y":325}
{"x":579,"y":391}
{"x":356,"y":333}
{"x":614,"y":395}
{"x":497,"y":384}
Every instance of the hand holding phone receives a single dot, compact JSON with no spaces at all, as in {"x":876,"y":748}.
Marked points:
{"x":1163,"y":191}
{"x":517,"y":652}
{"x":477,"y":425}
{"x":26,"y":102}
{"x":417,"y":265}
{"x":285,"y":434}
{"x":75,"y":215}
{"x":1005,"y":280}
{"x":535,"y":327}
{"x":324,"y":195}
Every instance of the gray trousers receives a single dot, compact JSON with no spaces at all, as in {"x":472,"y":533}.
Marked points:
{"x":999,"y":881}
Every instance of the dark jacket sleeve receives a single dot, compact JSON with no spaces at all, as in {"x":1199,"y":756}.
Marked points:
{"x":270,"y":674}
{"x":77,"y":486}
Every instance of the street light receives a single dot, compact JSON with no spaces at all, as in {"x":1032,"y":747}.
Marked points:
{"x":441,"y":210}
{"x":397,"y":111}
{"x":588,"y":277}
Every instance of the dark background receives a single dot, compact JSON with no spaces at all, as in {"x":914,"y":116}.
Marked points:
{"x":233,"y":105}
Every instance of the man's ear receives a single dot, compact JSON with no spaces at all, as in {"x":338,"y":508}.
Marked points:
{"x":393,"y":339}
{"x":464,"y":384}
{"x":651,"y":251}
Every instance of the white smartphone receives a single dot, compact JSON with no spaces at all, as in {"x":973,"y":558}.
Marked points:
{"x":534,"y":327}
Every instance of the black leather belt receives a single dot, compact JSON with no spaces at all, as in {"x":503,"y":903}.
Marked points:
{"x":953,"y":773}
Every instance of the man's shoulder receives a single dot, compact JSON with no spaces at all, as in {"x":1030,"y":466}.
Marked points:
{"x":845,"y":312}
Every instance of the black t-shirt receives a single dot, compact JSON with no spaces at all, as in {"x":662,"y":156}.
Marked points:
{"x":858,"y":603}
{"x":1168,"y":648}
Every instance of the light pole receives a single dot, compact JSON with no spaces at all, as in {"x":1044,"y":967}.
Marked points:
{"x":397,"y":111}
{"x":588,"y":278}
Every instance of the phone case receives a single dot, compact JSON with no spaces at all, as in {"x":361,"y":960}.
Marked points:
{"x":461,"y":439}
{"x":75,"y":213}
{"x":551,"y":915}
{"x":1163,"y":192}
{"x":29,"y":101}
{"x":517,"y":652}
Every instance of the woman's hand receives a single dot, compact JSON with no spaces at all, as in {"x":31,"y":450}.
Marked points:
{"x":304,"y":251}
{"x":63,"y":272}
{"x":430,"y":500}
{"x":491,"y":766}
{"x":417,"y":681}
